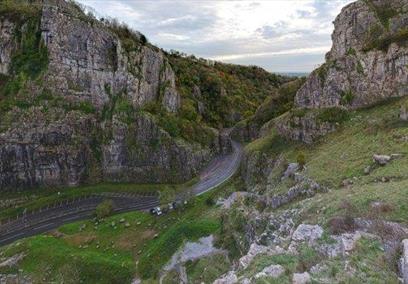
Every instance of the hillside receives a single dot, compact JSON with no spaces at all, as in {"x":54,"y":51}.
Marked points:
{"x":84,"y":101}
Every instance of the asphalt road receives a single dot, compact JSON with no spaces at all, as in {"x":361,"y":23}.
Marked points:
{"x":217,"y":172}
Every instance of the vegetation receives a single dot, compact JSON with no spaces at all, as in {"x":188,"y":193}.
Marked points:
{"x":104,"y":209}
{"x":229,"y":92}
{"x":105,"y":251}
{"x":333,"y":115}
{"x":347,"y":97}
{"x":279,"y":103}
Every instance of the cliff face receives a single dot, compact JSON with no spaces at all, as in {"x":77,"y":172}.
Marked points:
{"x":77,"y":114}
{"x":368,"y":59}
{"x":366,"y":64}
{"x":88,"y":62}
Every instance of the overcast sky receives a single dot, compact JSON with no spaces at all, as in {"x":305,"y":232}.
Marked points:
{"x":278,"y":35}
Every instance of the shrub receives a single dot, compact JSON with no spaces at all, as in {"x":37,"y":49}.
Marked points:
{"x":347,"y":97}
{"x":339,"y":225}
{"x":351,"y":51}
{"x":333,"y":115}
{"x":210,"y":201}
{"x":301,"y":160}
{"x":104,"y":209}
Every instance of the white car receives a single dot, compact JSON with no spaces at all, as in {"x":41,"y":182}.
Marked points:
{"x":156,"y":211}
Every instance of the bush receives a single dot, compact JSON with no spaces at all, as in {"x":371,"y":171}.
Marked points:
{"x":333,"y":115}
{"x":104,"y":209}
{"x":210,"y":201}
{"x":301,"y":160}
{"x":339,"y":225}
{"x":347,"y":97}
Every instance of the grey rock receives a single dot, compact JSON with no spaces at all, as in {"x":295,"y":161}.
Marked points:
{"x":404,"y":261}
{"x":229,"y":278}
{"x":7,"y":44}
{"x":403,"y":113}
{"x":291,"y":170}
{"x":305,"y":234}
{"x":306,"y":128}
{"x":367,"y":170}
{"x":369,"y":75}
{"x":273,"y":271}
{"x":255,"y":250}
{"x":301,"y":278}
{"x":381,"y":160}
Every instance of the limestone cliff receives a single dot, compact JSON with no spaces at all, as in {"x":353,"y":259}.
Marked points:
{"x":368,"y":59}
{"x":366,"y":64}
{"x":72,"y":103}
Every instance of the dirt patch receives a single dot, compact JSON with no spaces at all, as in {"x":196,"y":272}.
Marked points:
{"x":80,"y":239}
{"x":134,"y":239}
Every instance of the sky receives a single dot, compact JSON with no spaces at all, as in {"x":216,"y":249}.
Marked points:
{"x":278,"y":35}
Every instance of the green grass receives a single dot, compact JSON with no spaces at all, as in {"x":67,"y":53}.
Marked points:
{"x":306,"y":258}
{"x":161,"y":249}
{"x":107,"y":251}
{"x":207,"y":269}
{"x":346,"y":152}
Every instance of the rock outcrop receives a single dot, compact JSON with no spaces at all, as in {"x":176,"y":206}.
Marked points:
{"x":81,"y":116}
{"x":367,"y":62}
{"x":88,"y":63}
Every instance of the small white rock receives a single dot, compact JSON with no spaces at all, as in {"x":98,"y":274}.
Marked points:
{"x":301,"y":278}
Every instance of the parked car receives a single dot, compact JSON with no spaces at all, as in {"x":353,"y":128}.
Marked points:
{"x":156,"y":211}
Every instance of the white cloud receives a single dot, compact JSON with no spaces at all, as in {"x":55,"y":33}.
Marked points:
{"x":234,"y":31}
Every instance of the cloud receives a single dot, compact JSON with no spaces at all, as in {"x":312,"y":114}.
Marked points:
{"x":234,"y":31}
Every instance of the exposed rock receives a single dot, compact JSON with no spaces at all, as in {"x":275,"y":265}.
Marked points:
{"x":192,"y":251}
{"x":404,"y":261}
{"x":301,"y":278}
{"x":306,"y":128}
{"x":291,"y":170}
{"x":305,"y":187}
{"x":146,"y":154}
{"x":227,"y":203}
{"x":89,"y":63}
{"x":403,"y":113}
{"x":15,"y":279}
{"x":273,"y":271}
{"x":255,"y":250}
{"x":362,"y":67}
{"x":90,"y":66}
{"x":7,"y":44}
{"x":367,"y":170}
{"x":381,"y":160}
{"x":307,"y":233}
{"x":229,"y":278}
{"x":12,"y":261}
{"x":261,"y":172}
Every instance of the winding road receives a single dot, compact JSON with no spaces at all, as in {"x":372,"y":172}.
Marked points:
{"x":217,"y":172}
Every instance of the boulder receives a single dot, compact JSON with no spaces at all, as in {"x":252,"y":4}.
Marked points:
{"x":229,"y":278}
{"x":305,"y":234}
{"x":255,"y":250}
{"x":403,"y":113}
{"x":381,"y":160}
{"x":290,"y":170}
{"x":273,"y":271}
{"x":301,"y":278}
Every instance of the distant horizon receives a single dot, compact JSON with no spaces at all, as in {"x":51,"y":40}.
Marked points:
{"x":279,"y":36}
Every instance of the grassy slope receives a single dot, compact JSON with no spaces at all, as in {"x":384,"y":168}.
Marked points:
{"x":343,"y":155}
{"x":108,"y":252}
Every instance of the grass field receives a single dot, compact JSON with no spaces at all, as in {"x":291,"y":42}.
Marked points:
{"x":112,"y":251}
